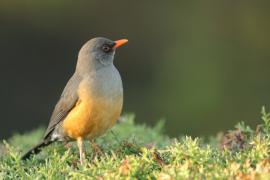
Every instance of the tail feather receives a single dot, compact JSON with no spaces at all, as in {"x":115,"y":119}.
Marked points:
{"x":36,"y":149}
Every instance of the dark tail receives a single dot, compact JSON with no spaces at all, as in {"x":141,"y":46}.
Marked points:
{"x":36,"y":149}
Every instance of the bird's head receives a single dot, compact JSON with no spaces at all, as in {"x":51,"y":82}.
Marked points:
{"x":99,"y":52}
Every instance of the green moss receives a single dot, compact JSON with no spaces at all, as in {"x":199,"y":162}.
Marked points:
{"x":143,"y":152}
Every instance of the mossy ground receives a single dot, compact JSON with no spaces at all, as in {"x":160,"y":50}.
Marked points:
{"x":135,"y":151}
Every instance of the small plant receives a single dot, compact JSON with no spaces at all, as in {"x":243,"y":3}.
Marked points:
{"x":266,"y":119}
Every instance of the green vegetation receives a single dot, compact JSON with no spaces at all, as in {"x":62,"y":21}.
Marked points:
{"x":142,"y":152}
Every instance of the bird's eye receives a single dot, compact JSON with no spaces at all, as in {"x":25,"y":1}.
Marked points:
{"x":106,"y":48}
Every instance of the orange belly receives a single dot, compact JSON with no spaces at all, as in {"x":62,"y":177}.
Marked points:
{"x":91,"y":117}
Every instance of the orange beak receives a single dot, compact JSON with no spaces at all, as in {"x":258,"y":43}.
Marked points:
{"x":119,"y":43}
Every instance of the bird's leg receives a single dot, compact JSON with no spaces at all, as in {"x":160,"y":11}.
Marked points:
{"x":81,"y":149}
{"x":96,"y":149}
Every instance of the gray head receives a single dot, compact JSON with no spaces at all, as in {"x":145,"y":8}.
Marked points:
{"x":97,"y":53}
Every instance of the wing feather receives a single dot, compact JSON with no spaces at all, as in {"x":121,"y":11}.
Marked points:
{"x":67,"y":101}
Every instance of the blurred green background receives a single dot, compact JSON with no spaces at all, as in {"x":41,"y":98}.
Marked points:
{"x":203,"y":66}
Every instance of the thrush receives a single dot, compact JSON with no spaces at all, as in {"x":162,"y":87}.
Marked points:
{"x":91,"y":101}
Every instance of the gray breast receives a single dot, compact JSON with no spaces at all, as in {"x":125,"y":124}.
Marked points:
{"x":105,"y":83}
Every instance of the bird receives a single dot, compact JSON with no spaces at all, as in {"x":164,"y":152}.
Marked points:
{"x":91,"y":101}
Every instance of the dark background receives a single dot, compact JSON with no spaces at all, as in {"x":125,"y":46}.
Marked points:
{"x":203,"y":66}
